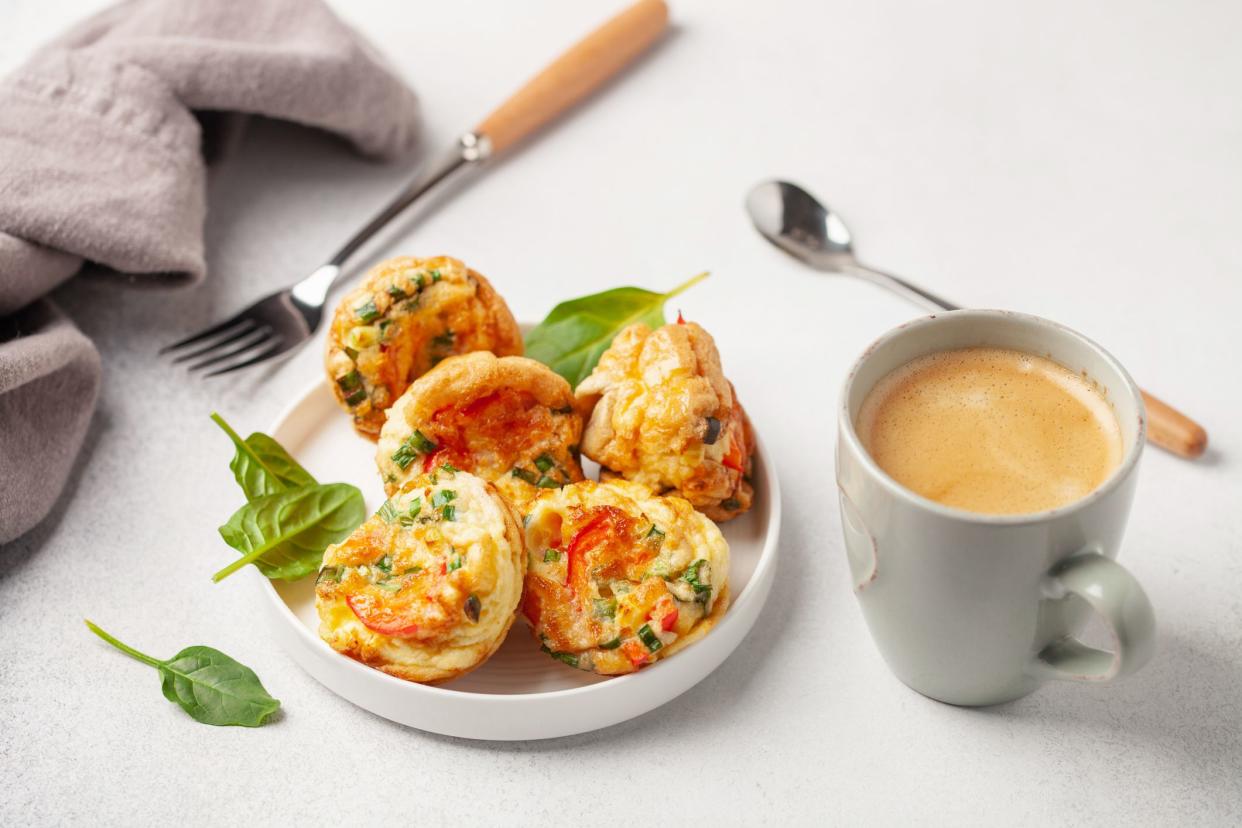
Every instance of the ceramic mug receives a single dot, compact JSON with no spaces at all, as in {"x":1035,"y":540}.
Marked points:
{"x":978,"y":609}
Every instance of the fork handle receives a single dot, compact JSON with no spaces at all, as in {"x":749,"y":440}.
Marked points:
{"x":575,"y":74}
{"x":566,"y":81}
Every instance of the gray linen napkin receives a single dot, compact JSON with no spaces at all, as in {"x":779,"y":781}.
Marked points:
{"x":101,"y":161}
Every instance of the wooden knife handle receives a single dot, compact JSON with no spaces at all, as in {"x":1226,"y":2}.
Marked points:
{"x":575,"y":74}
{"x":1172,"y":430}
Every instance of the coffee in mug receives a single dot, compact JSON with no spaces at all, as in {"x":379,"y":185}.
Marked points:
{"x":986,"y":462}
{"x":991,"y":430}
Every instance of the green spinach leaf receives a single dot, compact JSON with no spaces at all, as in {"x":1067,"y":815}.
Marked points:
{"x":285,"y":534}
{"x":261,"y":465}
{"x":576,"y":333}
{"x":207,"y":684}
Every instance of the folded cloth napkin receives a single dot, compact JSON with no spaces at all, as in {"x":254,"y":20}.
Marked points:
{"x":101,"y":138}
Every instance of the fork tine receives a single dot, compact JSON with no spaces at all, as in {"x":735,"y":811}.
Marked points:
{"x":247,"y":327}
{"x":267,"y":353}
{"x":207,"y":333}
{"x":253,"y":339}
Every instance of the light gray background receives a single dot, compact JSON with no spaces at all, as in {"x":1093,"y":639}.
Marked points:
{"x":1079,"y":161}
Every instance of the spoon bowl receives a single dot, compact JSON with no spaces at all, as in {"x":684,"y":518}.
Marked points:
{"x":801,"y":225}
{"x":796,"y":222}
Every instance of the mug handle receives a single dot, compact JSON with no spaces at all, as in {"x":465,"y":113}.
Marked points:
{"x":1115,"y":595}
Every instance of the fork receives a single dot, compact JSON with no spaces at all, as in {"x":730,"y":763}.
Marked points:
{"x":280,"y":322}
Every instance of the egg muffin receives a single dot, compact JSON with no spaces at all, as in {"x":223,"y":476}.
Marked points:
{"x":617,"y":577}
{"x":407,"y":316}
{"x":661,"y":413}
{"x":427,"y":588}
{"x":510,"y":420}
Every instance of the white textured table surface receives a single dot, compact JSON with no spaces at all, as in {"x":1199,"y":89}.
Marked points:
{"x":1079,"y":161}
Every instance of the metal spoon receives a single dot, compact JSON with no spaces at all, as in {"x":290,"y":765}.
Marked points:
{"x":793,"y":220}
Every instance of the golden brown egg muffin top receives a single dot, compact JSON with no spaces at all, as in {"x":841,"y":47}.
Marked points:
{"x":408,"y":315}
{"x":661,"y":413}
{"x":426,"y":588}
{"x":510,"y":420}
{"x":617,"y":577}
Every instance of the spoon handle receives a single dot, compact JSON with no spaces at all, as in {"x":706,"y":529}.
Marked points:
{"x":903,"y":288}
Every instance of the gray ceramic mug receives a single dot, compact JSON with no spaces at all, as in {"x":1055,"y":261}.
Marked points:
{"x":978,"y":609}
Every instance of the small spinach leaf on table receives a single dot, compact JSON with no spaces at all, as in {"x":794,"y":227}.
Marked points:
{"x":207,"y":684}
{"x":576,"y":333}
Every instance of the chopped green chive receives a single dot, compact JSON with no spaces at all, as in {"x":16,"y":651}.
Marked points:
{"x":414,"y":445}
{"x":544,"y":462}
{"x":655,"y":533}
{"x":403,"y":456}
{"x":356,"y":397}
{"x":329,"y":575}
{"x":551,"y":556}
{"x":525,"y":474}
{"x":387,"y":512}
{"x":695,"y":577}
{"x":611,"y":645}
{"x":435,"y":276}
{"x":605,"y":607}
{"x":350,"y":381}
{"x":413,"y":570}
{"x":384,"y":564}
{"x":420,"y":281}
{"x":416,"y":506}
{"x":367,"y":311}
{"x":351,"y":353}
{"x":449,"y":467}
{"x":441,"y":497}
{"x":455,"y":562}
{"x":546,"y":482}
{"x":396,"y":292}
{"x":388,"y":585}
{"x":449,"y":512}
{"x":649,"y":638}
{"x":568,"y":658}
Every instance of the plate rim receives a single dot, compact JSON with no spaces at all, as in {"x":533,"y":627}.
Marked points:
{"x":732,"y":617}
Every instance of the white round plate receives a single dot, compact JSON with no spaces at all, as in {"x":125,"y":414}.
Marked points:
{"x":520,"y":693}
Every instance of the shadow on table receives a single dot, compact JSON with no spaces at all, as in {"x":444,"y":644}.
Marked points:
{"x":1184,"y":708}
{"x":15,"y":554}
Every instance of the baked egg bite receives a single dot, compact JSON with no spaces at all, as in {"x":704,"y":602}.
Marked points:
{"x":406,"y":316}
{"x":510,"y":420}
{"x":661,"y":413}
{"x":426,"y":588}
{"x":617,"y":577}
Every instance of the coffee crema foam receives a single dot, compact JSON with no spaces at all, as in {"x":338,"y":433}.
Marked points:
{"x":991,"y":430}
